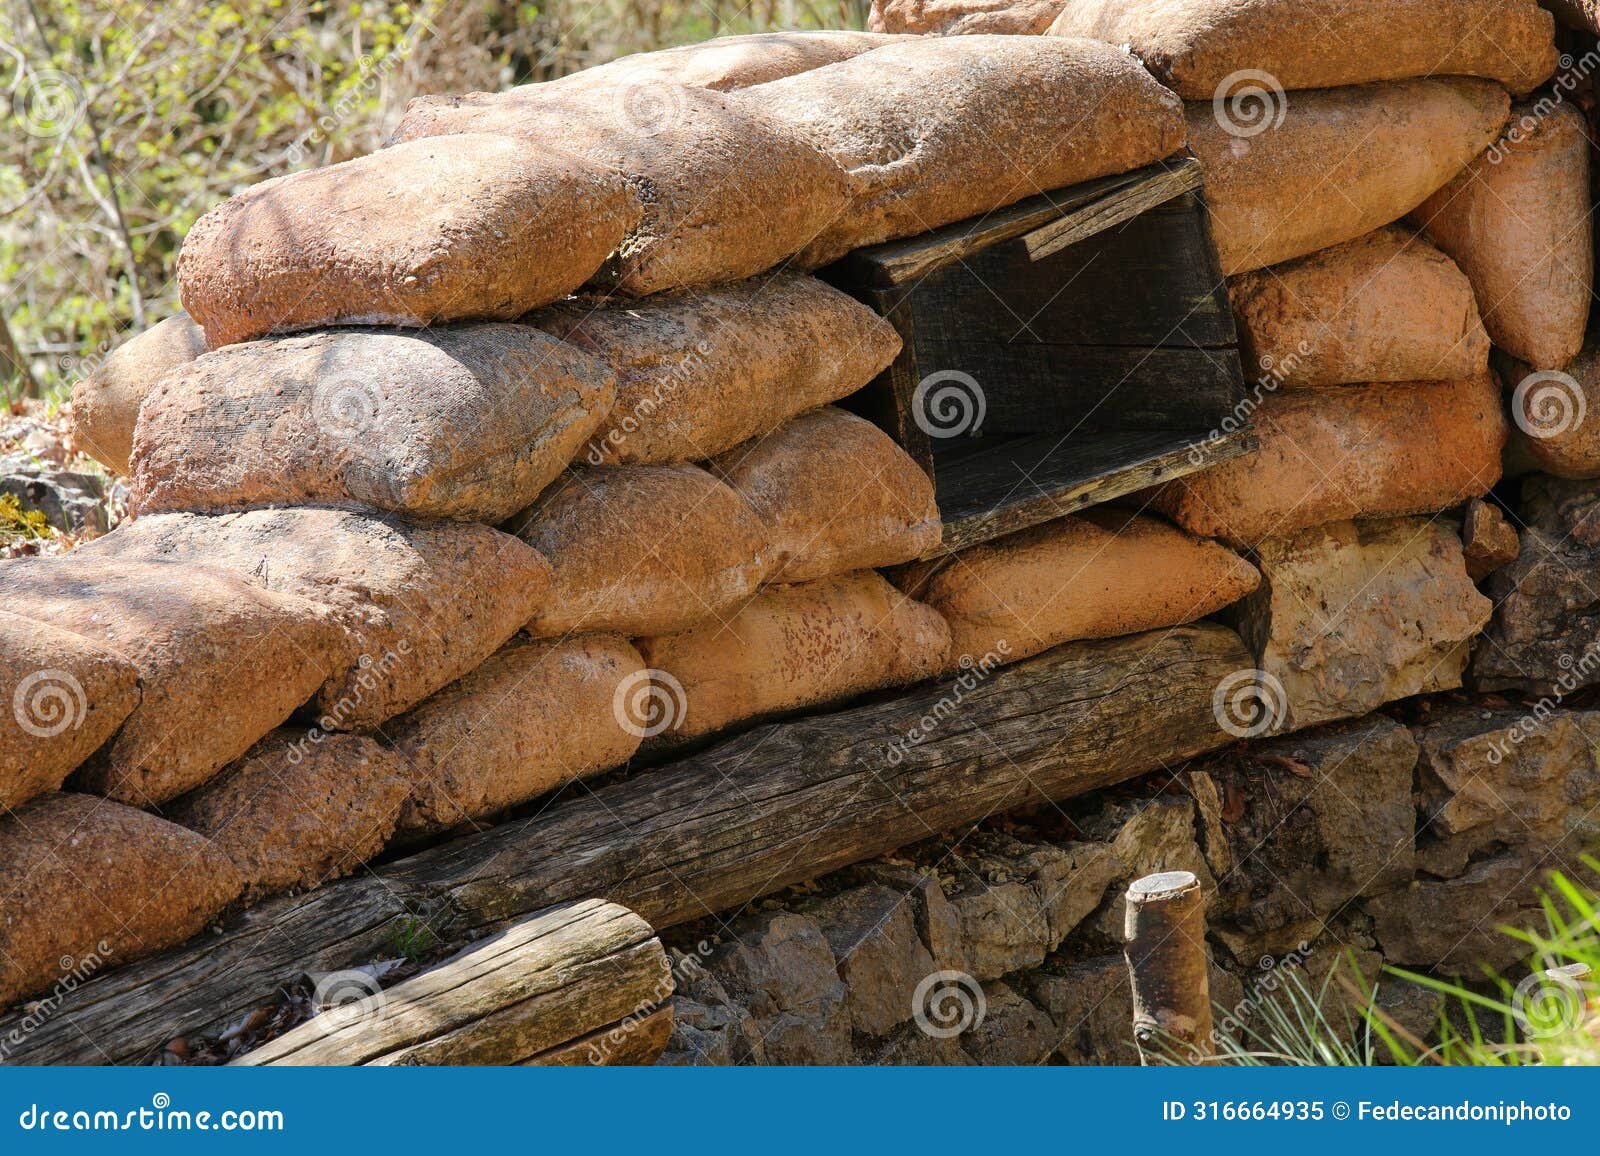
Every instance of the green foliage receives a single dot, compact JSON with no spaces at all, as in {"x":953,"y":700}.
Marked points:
{"x":134,"y":119}
{"x":17,"y":523}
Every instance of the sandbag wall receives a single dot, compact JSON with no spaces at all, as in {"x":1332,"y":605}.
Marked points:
{"x":477,"y":463}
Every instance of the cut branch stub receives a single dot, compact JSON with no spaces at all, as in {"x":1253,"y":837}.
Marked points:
{"x":1168,"y":968}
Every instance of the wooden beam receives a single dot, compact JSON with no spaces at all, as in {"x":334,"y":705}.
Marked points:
{"x":556,"y":983}
{"x":780,"y":804}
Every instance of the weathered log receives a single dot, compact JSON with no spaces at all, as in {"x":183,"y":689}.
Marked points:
{"x":547,"y":984}
{"x":780,"y":804}
{"x":1167,"y":966}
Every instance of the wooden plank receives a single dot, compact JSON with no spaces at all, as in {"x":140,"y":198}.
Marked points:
{"x":544,"y":982}
{"x":1022,"y":482}
{"x":1076,"y":210}
{"x":782,"y":803}
{"x":1036,"y":389}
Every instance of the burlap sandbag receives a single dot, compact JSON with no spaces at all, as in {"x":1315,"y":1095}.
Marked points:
{"x":698,"y":373}
{"x":1342,"y":162}
{"x":61,"y":697}
{"x":298,"y":810}
{"x":1385,"y":307}
{"x":730,"y":62}
{"x":1517,"y":221}
{"x":220,"y":660}
{"x":835,"y":494}
{"x":1098,"y":574}
{"x":89,"y":886}
{"x":935,"y":130}
{"x":468,"y":423}
{"x":1330,"y":455}
{"x":642,"y":550}
{"x":105,"y":405}
{"x":534,"y":717}
{"x":442,"y":230}
{"x":1555,"y":416}
{"x":964,"y":17}
{"x":792,"y":647}
{"x":420,"y":605}
{"x":1194,"y":46}
{"x":726,"y":192}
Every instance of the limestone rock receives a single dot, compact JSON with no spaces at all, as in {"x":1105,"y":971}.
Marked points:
{"x":880,"y":957}
{"x":779,"y":966}
{"x":1488,"y":541}
{"x":1327,"y":817}
{"x":1145,"y":836}
{"x":1013,"y":1030}
{"x":1356,"y":614}
{"x":1542,"y":638}
{"x":709,"y":1027}
{"x":71,"y":502}
{"x":1506,"y":777}
{"x":1555,"y":416}
{"x":938,"y":922}
{"x":105,"y":405}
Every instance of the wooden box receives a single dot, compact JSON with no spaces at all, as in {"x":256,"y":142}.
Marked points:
{"x":1063,"y":351}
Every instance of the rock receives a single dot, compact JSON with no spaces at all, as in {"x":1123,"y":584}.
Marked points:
{"x":1488,"y":541}
{"x":1327,"y":817}
{"x":727,"y":63}
{"x":1542,"y":639}
{"x":709,"y":1028}
{"x":781,"y":969}
{"x":873,"y":934}
{"x":1013,"y":1030}
{"x":105,"y":405}
{"x":1555,"y":416}
{"x":938,"y":922}
{"x":1025,"y":899}
{"x":71,"y":502}
{"x":1356,"y":614}
{"x":1505,"y":778}
{"x":910,"y":1046}
{"x":1454,"y":925}
{"x":964,"y":17}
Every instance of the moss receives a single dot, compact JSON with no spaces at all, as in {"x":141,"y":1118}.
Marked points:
{"x":15,"y":522}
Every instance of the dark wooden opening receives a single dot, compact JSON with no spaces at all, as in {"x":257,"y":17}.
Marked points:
{"x":1090,"y":329}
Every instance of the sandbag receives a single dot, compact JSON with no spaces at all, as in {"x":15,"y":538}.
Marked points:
{"x":221,"y":661}
{"x":534,"y":717}
{"x":1555,"y":416}
{"x":964,"y":17}
{"x":729,"y":62}
{"x":105,"y":405}
{"x":1097,"y":574}
{"x":1330,"y":455}
{"x":468,"y":423}
{"x":1195,"y":46}
{"x":91,"y":886}
{"x":442,"y":230}
{"x":725,"y":192}
{"x":298,"y":810}
{"x":61,"y":697}
{"x":642,"y":550}
{"x":791,"y":647}
{"x":698,"y":373}
{"x":1384,"y":307}
{"x":420,"y":605}
{"x":1517,"y":221}
{"x":1342,"y":162}
{"x":935,"y":130}
{"x":835,"y":494}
